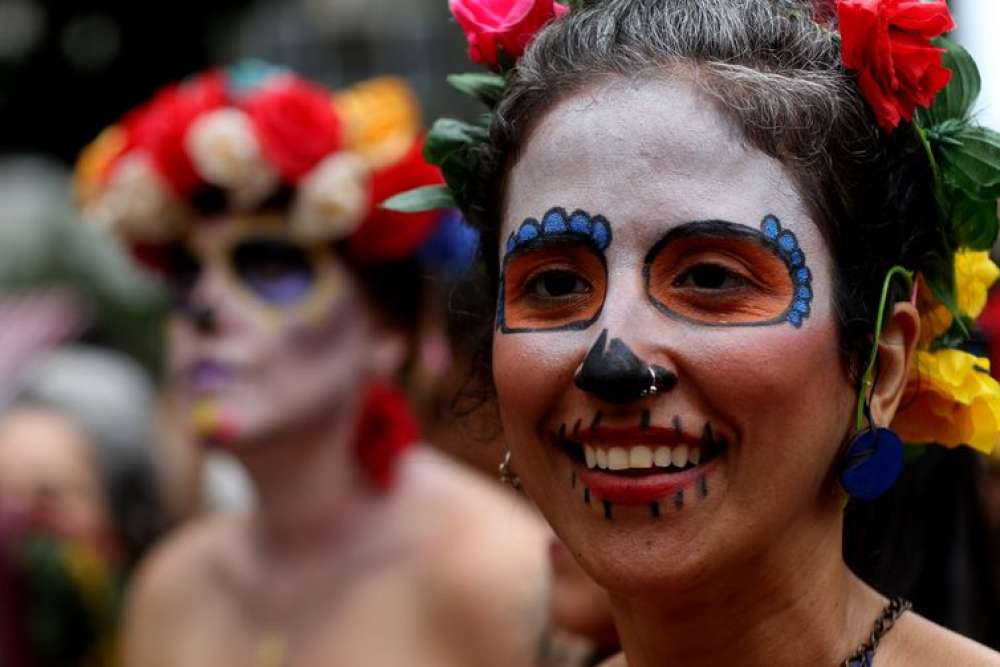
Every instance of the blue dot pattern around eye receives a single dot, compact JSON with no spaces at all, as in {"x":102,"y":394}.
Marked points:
{"x":787,"y":247}
{"x":593,"y":230}
{"x":557,"y":222}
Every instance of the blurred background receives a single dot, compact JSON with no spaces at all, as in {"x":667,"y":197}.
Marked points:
{"x":80,"y":326}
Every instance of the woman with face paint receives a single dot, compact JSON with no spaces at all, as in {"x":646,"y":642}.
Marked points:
{"x":724,"y":248}
{"x":255,"y":194}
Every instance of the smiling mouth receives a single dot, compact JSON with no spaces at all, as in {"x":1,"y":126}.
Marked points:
{"x":642,"y":466}
{"x":651,"y":453}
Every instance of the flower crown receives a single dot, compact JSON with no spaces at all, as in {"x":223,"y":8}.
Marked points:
{"x":913,"y":80}
{"x":244,"y":137}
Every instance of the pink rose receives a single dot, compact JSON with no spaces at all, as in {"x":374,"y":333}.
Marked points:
{"x":507,"y":26}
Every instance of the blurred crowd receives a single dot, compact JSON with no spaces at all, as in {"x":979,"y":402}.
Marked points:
{"x":96,"y":470}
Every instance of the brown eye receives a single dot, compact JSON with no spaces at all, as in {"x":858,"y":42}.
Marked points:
{"x":710,"y":277}
{"x":556,"y":284}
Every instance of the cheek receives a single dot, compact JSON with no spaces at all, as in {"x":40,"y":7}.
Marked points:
{"x":530,"y":370}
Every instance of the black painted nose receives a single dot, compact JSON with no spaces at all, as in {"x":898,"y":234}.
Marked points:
{"x":613,"y":373}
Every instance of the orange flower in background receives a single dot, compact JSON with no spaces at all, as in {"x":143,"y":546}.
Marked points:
{"x":951,"y":400}
{"x":381,"y":120}
{"x":888,"y":44}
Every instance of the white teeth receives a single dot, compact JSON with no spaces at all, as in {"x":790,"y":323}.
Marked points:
{"x":662,"y":457}
{"x":640,"y":457}
{"x":695,"y":455}
{"x":617,"y":459}
{"x":602,"y":458}
{"x":680,"y":456}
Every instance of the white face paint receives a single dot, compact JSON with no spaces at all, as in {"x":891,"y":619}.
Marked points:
{"x":652,"y":156}
{"x":284,"y":331}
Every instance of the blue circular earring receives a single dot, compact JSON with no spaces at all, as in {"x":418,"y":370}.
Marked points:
{"x":874,"y":458}
{"x":872,"y":463}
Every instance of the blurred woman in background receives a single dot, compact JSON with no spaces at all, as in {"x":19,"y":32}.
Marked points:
{"x":255,"y":194}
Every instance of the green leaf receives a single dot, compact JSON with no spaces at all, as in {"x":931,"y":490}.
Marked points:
{"x":973,"y":166}
{"x":419,"y":200}
{"x":448,"y":136}
{"x":975,"y":222}
{"x":939,"y":275}
{"x":958,"y":97}
{"x":486,"y":87}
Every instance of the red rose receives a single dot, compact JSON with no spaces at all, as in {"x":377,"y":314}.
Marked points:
{"x":887,"y":42}
{"x":296,"y":124}
{"x":390,"y":235}
{"x":159,"y":127}
{"x":508,"y":25}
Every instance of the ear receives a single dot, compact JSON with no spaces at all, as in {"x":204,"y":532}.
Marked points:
{"x":389,"y":351}
{"x":896,"y":352}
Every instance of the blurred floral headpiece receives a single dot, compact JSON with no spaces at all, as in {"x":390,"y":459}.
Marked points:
{"x":913,"y":80}
{"x":242,"y":138}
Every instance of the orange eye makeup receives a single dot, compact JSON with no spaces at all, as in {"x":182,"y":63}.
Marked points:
{"x":554,"y":274}
{"x":718,"y":273}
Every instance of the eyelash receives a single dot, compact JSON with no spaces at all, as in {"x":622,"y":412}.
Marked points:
{"x":534,"y":281}
{"x":742,"y":281}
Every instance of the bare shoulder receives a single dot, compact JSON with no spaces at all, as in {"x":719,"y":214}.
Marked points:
{"x":177,"y":572}
{"x":916,"y":641}
{"x":484,"y":564}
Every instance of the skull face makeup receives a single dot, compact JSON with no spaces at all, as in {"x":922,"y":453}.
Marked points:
{"x":261,"y":316}
{"x":645,"y":384}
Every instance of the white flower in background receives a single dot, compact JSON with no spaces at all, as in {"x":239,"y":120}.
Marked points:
{"x":225,"y":152}
{"x":136,"y":202}
{"x":333,"y":199}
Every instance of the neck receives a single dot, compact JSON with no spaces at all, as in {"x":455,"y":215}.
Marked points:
{"x":785,"y":607}
{"x":311,"y":491}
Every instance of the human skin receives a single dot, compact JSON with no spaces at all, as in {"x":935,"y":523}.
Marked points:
{"x":748,"y":568}
{"x":47,"y":468}
{"x":327,"y":569}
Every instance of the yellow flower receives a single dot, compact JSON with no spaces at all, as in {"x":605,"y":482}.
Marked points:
{"x":381,"y":120}
{"x":952,"y":400}
{"x":975,"y":273}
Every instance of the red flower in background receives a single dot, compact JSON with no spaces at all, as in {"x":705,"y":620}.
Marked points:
{"x":887,"y":42}
{"x":296,"y":124}
{"x":158,"y":128}
{"x":507,"y":25}
{"x":386,"y":429}
{"x":390,"y":235}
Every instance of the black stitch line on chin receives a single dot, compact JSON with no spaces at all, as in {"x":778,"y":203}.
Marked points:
{"x":644,"y":420}
{"x":703,"y":488}
{"x":597,"y":420}
{"x":576,"y":426}
{"x":679,"y":499}
{"x":607,"y":509}
{"x":586,"y":495}
{"x":654,"y":509}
